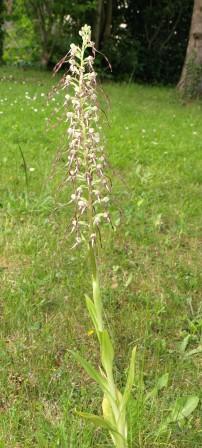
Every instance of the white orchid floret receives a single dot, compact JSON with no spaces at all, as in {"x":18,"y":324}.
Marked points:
{"x":79,"y":191}
{"x":85,"y":33}
{"x":87,"y":114}
{"x":106,"y":216}
{"x":92,"y":76}
{"x":72,"y":61}
{"x":105,"y":199}
{"x":76,"y":89}
{"x":77,"y":134}
{"x":97,"y":137}
{"x":77,"y":242}
{"x":97,"y":220}
{"x":73,"y":173}
{"x":69,"y":115}
{"x":74,"y":50}
{"x":96,"y":192}
{"x":89,"y":59}
{"x":67,"y":81}
{"x":82,"y":203}
{"x":74,"y":69}
{"x":70,"y":131}
{"x":93,"y":238}
{"x":75,"y":102}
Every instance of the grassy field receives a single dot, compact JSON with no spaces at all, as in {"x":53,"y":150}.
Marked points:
{"x":150,"y":271}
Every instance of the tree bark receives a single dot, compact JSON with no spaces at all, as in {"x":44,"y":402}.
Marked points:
{"x":193,"y":59}
{"x":98,"y":26}
{"x":108,"y":20}
{"x":9,"y":6}
{"x":1,"y":29}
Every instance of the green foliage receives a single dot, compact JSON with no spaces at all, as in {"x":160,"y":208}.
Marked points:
{"x":21,"y":45}
{"x":130,"y":381}
{"x":92,"y":372}
{"x":161,"y":30}
{"x":55,"y":24}
{"x":183,"y":408}
{"x":147,"y":40}
{"x":100,"y":422}
{"x":161,"y":383}
{"x":122,"y":51}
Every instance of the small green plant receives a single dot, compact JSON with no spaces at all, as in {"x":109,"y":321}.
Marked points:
{"x":86,"y":168}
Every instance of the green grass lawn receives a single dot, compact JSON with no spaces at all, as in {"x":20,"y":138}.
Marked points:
{"x":150,"y":272}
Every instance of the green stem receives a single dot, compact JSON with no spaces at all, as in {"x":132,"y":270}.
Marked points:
{"x":96,"y":287}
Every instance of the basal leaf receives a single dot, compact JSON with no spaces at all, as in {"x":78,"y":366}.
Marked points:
{"x":107,"y":351}
{"x":92,"y":311}
{"x":183,"y":408}
{"x":189,"y":407}
{"x":162,"y":381}
{"x":98,"y":421}
{"x":130,"y":380}
{"x":101,"y":422}
{"x":129,"y":280}
{"x":160,"y":384}
{"x":92,"y":372}
{"x":195,"y":351}
{"x":183,"y":345}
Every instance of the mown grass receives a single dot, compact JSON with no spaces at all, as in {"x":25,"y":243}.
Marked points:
{"x":150,"y":271}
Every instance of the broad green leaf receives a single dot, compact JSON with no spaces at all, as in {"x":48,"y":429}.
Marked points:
{"x":107,"y":410}
{"x":92,"y":311}
{"x":92,"y":372}
{"x":107,"y":351}
{"x":162,"y":428}
{"x":189,"y":407}
{"x":183,"y":409}
{"x":98,"y":421}
{"x":162,"y":381}
{"x":129,"y":280}
{"x":184,"y":343}
{"x":195,"y":351}
{"x":130,"y":381}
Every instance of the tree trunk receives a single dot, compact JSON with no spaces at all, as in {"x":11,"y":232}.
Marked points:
{"x":1,"y":29}
{"x":108,"y":20}
{"x":98,"y":26}
{"x":9,"y":6}
{"x":191,"y":76}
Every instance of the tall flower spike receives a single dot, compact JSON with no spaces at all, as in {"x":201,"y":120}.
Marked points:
{"x":86,"y":163}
